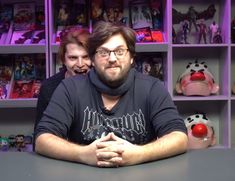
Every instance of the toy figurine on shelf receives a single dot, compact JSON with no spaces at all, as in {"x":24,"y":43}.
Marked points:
{"x":233,"y":30}
{"x":213,"y":30}
{"x":197,"y":80}
{"x":192,"y":17}
{"x":11,"y":139}
{"x":201,"y":132}
{"x":185,"y":30}
{"x":218,"y":38}
{"x":202,"y":31}
{"x":19,"y":142}
{"x":4,"y":144}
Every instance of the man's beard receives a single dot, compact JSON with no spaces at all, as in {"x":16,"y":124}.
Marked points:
{"x":111,"y":82}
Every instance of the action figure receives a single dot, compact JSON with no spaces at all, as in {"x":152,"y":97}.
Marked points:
{"x":185,"y":30}
{"x":213,"y":31}
{"x":202,"y":31}
{"x":19,"y":142}
{"x":192,"y":16}
{"x":218,"y":38}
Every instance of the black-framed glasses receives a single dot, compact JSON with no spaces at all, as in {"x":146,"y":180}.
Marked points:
{"x":105,"y":53}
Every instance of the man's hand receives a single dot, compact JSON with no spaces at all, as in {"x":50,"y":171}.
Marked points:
{"x":114,"y":151}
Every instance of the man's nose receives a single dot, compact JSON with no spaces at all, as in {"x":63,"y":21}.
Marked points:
{"x":112,"y":57}
{"x":79,"y":62}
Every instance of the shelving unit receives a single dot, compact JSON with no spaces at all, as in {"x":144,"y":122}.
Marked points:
{"x":220,"y":59}
{"x":18,"y":115}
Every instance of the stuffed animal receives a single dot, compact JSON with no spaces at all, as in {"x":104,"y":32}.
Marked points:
{"x":196,"y":80}
{"x":201,"y":133}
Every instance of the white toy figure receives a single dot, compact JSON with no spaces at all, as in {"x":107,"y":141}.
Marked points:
{"x":196,"y":81}
{"x":200,"y":132}
{"x":213,"y":30}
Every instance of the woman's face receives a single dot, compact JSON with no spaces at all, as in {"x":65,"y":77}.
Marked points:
{"x":77,"y":60}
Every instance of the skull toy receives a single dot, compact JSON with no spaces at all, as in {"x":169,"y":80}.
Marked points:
{"x":201,"y":133}
{"x":197,"y":80}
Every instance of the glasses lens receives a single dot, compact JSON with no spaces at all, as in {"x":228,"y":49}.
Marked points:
{"x":103,"y":53}
{"x":119,"y":52}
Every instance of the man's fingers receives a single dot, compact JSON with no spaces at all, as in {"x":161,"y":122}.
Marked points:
{"x":114,"y":162}
{"x":110,"y":146}
{"x":107,"y":155}
{"x":115,"y":138}
{"x":105,"y":138}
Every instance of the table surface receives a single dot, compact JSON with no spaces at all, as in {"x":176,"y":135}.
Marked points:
{"x":195,"y":165}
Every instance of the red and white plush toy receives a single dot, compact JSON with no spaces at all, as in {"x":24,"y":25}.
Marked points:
{"x":200,"y":132}
{"x":197,"y":80}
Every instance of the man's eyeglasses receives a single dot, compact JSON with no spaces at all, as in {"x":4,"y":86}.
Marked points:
{"x":105,"y":53}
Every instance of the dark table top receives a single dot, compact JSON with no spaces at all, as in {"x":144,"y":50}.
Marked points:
{"x":195,"y":165}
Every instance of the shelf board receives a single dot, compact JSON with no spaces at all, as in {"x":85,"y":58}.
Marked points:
{"x":152,"y":47}
{"x":14,"y":103}
{"x":21,"y":48}
{"x":198,"y":45}
{"x":201,"y":98}
{"x":233,"y":97}
{"x":140,"y":47}
{"x":55,"y":47}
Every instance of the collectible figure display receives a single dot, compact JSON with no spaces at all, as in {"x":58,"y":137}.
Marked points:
{"x":143,"y":35}
{"x":140,"y":15}
{"x":202,"y":29}
{"x":156,"y":13}
{"x":192,"y":17}
{"x":193,"y":25}
{"x":24,"y":16}
{"x":201,"y":132}
{"x":150,"y":64}
{"x":5,"y":18}
{"x":196,"y":80}
{"x":213,"y":30}
{"x":16,"y":143}
{"x":185,"y":30}
{"x":206,"y":14}
{"x":5,"y":75}
{"x":218,"y":37}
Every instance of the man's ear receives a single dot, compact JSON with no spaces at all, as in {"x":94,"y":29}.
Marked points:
{"x":132,"y":60}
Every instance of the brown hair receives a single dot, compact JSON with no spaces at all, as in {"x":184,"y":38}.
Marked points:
{"x":104,"y":30}
{"x":76,"y":36}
